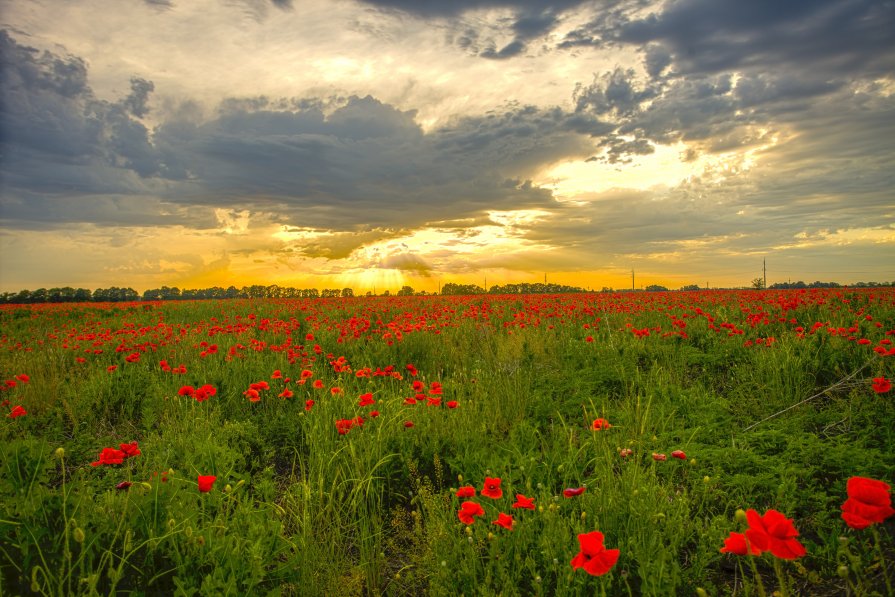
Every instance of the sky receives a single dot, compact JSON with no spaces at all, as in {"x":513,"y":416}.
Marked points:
{"x":376,"y":143}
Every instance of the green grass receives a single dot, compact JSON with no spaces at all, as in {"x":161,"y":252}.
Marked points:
{"x":299,"y":509}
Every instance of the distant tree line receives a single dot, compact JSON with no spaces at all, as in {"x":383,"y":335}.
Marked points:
{"x":114,"y":294}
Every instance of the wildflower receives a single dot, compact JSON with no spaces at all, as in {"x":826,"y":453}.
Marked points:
{"x":492,"y":488}
{"x":111,"y":368}
{"x":600,"y":424}
{"x":659,"y":457}
{"x":679,"y":454}
{"x":306,"y":374}
{"x":186,"y":391}
{"x":466,"y":491}
{"x":573,"y":492}
{"x":308,"y":404}
{"x":738,"y":545}
{"x":133,"y":357}
{"x":205,"y":482}
{"x":110,"y":456}
{"x":468,"y":511}
{"x":318,"y":384}
{"x":775,"y":533}
{"x":286,"y":393}
{"x":524,"y":502}
{"x":366,"y":399}
{"x":594,"y":557}
{"x":625,"y":452}
{"x":335,"y":390}
{"x":504,"y":520}
{"x":130,"y":449}
{"x":374,"y":413}
{"x":123,"y":485}
{"x":412,"y":370}
{"x":252,"y":395}
{"x":452,"y":404}
{"x":277,"y":374}
{"x":17,"y":411}
{"x":408,"y":424}
{"x":23,"y":378}
{"x":881,"y":385}
{"x":869,"y":502}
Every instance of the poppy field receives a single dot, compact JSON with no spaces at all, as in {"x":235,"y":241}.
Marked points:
{"x":651,"y":443}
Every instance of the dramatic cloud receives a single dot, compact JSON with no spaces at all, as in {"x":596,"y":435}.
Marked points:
{"x":381,"y":140}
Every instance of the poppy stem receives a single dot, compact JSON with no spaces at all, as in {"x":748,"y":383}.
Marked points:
{"x":756,"y":576}
{"x":781,"y":578}
{"x":882,"y":560}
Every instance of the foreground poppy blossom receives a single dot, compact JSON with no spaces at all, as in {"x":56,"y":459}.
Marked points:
{"x":573,"y":491}
{"x":17,"y":411}
{"x":465,"y":492}
{"x":205,"y":482}
{"x":881,"y":385}
{"x":594,"y":557}
{"x":775,"y":533}
{"x":492,"y":488}
{"x":600,"y":424}
{"x":869,"y":502}
{"x":524,"y":502}
{"x":679,"y":454}
{"x":23,"y":378}
{"x":504,"y":520}
{"x":738,"y":545}
{"x":130,"y":449}
{"x":110,"y":456}
{"x":468,"y":511}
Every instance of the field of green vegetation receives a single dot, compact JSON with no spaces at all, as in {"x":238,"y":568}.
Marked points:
{"x":451,"y":445}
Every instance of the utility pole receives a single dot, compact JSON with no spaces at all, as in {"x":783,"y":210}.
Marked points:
{"x":764,"y":270}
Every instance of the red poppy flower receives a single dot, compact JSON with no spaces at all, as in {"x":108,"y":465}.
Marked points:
{"x":252,"y":395}
{"x":492,"y":488}
{"x":466,"y":491}
{"x":679,"y":454}
{"x":412,"y":370}
{"x":111,"y":368}
{"x":881,"y":385}
{"x":524,"y":502}
{"x":130,"y":449}
{"x":659,"y":457}
{"x":572,"y":492}
{"x":186,"y":391}
{"x":132,"y":358}
{"x":308,"y":404}
{"x":452,"y":404}
{"x":504,"y":520}
{"x":17,"y":411}
{"x":306,"y":374}
{"x":23,"y":378}
{"x":869,"y":502}
{"x":625,"y":452}
{"x":366,"y":399}
{"x":259,"y":385}
{"x":737,"y":544}
{"x":468,"y":511}
{"x":775,"y":533}
{"x":205,"y":482}
{"x":318,"y":384}
{"x":594,"y":557}
{"x":110,"y":456}
{"x":286,"y":393}
{"x":335,"y":390}
{"x":600,"y":424}
{"x":123,"y":485}
{"x":408,"y":424}
{"x":418,"y":386}
{"x":277,"y":374}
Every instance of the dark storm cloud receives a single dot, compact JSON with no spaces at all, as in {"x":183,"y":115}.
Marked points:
{"x":334,"y":162}
{"x":708,"y":36}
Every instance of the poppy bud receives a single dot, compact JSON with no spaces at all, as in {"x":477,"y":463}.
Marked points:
{"x":59,"y":453}
{"x":228,"y":488}
{"x":171,"y":523}
{"x":740,"y":515}
{"x":700,"y":592}
{"x":706,"y":479}
{"x":78,"y":535}
{"x":842,"y":571}
{"x":468,"y":530}
{"x":188,"y":532}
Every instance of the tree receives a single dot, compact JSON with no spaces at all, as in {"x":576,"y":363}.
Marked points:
{"x":758,"y":283}
{"x":405,"y":291}
{"x":690,"y":287}
{"x":347,"y":293}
